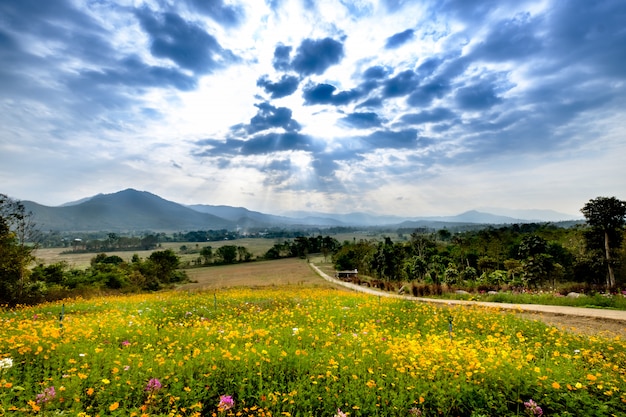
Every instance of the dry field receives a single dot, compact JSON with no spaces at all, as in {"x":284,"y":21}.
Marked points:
{"x":291,"y":271}
{"x":47,"y":256}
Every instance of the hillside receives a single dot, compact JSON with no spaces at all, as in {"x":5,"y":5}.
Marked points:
{"x":131,"y":210}
{"x":126,"y":210}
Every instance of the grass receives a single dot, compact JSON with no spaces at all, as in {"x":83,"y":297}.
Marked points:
{"x":297,"y":351}
{"x":287,"y":346}
{"x":608,"y":301}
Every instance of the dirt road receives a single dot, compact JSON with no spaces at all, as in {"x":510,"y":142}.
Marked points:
{"x":591,"y":321}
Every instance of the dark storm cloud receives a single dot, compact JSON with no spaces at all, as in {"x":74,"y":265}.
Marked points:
{"x":183,"y":42}
{"x":326,"y":94}
{"x":400,"y":85}
{"x":399,"y":39}
{"x":226,"y":15}
{"x":364,"y":120}
{"x":286,"y":86}
{"x":436,"y":115}
{"x":314,"y":56}
{"x":282,"y":58}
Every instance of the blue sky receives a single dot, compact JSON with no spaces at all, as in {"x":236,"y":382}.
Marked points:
{"x":398,"y":107}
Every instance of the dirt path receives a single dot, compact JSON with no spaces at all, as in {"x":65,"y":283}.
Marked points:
{"x":590,"y":321}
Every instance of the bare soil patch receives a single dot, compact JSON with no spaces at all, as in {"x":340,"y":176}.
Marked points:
{"x":589,"y":326}
{"x":291,"y":271}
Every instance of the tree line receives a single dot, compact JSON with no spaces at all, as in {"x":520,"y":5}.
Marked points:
{"x":529,"y":255}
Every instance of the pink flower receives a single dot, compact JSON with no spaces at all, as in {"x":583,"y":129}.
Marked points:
{"x":532,"y":409}
{"x":226,"y":403}
{"x":125,"y":343}
{"x":340,"y":413}
{"x":153,"y":385}
{"x":48,"y":394}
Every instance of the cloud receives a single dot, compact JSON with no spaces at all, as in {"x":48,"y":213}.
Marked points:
{"x":390,"y":139}
{"x":478,"y":96}
{"x":510,"y":39}
{"x":282,"y":58}
{"x":270,"y":117}
{"x":325,"y":94}
{"x":314,"y":56}
{"x":436,"y":115}
{"x":424,"y":95}
{"x":277,"y":142}
{"x":400,"y":85}
{"x":399,"y":39}
{"x":226,"y":15}
{"x":185,"y":43}
{"x":376,"y":72}
{"x":132,"y":71}
{"x":286,"y":86}
{"x":362,"y":120}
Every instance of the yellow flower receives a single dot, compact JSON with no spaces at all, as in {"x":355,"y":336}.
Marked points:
{"x":34,"y":406}
{"x":114,"y":406}
{"x":106,"y":381}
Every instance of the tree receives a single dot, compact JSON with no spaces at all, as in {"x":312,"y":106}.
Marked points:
{"x":164,"y":264}
{"x":16,"y":255}
{"x":227,"y":254}
{"x":207,"y":253}
{"x":605,"y":216}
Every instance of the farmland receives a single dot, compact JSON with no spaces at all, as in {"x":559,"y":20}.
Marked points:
{"x":291,"y":345}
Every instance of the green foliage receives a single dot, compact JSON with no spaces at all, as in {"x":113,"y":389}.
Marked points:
{"x":16,"y":255}
{"x":301,"y":246}
{"x":606,"y":217}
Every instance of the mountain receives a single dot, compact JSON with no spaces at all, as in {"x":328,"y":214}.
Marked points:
{"x":347,"y":219}
{"x":243,"y":217}
{"x":132,"y":210}
{"x":128,"y":210}
{"x":82,"y":200}
{"x":533,"y":215}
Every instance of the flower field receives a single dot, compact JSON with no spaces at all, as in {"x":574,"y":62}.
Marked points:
{"x":298,"y":351}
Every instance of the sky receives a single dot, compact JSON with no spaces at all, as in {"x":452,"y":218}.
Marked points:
{"x":401,"y":107}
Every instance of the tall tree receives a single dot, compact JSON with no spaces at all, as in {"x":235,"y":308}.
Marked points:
{"x":16,"y":229}
{"x":605,"y":216}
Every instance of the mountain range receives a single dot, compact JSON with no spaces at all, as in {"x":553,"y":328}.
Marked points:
{"x":132,"y":210}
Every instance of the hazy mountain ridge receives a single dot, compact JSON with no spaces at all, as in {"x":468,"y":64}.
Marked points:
{"x":132,"y":210}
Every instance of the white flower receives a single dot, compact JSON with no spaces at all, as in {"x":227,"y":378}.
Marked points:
{"x":6,"y":363}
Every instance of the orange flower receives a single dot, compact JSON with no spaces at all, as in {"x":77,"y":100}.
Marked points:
{"x":556,"y":385}
{"x":114,"y":406}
